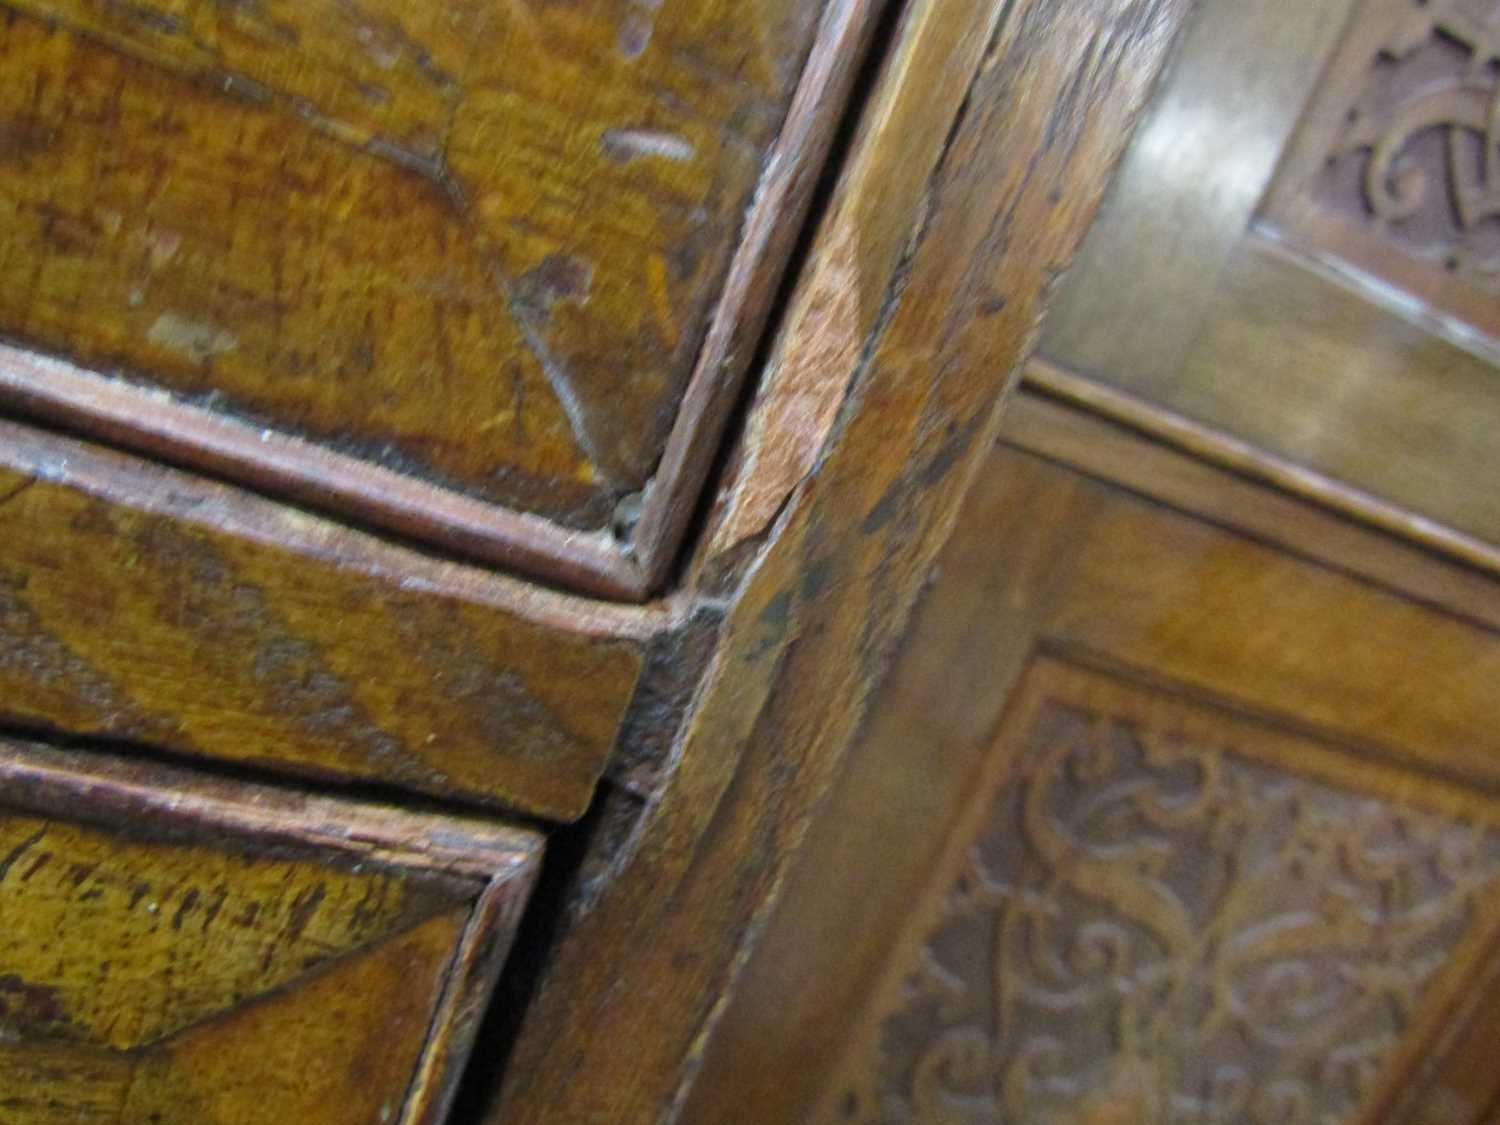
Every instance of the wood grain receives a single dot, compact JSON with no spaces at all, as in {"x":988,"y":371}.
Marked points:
{"x":230,"y":244}
{"x":1131,"y":463}
{"x":651,"y":963}
{"x":490,"y":248}
{"x":1170,"y":597}
{"x":144,"y":606}
{"x":841,"y":291}
{"x":186,"y":951}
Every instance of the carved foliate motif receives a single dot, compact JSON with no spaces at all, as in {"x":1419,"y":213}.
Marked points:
{"x":1152,"y":927}
{"x":1420,"y":151}
{"x":1396,"y":169}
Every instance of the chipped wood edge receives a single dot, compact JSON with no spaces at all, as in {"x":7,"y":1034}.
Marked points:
{"x":828,"y":319}
{"x":773,"y":224}
{"x":472,"y":976}
{"x":590,"y":562}
{"x":1242,"y":457}
{"x":824,"y":602}
{"x":128,"y":794}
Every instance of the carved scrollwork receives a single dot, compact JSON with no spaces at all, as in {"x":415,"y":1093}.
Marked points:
{"x":1419,"y":154}
{"x":1150,"y":927}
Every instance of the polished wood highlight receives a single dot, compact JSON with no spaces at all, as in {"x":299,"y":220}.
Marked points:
{"x":1225,"y":285}
{"x":643,"y":967}
{"x":1188,"y":187}
{"x":144,"y":606}
{"x":1214,"y":595}
{"x":514,"y":256}
{"x":189,"y":952}
{"x":1219,"y":448}
{"x":1202,"y":478}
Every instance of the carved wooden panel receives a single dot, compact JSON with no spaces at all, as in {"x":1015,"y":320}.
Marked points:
{"x":1395,"y":171}
{"x":179,"y":952}
{"x":470,"y":245}
{"x":1157,"y":913}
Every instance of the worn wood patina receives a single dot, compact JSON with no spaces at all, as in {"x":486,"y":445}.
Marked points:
{"x":144,"y":606}
{"x":183,"y":952}
{"x":460,"y":261}
{"x":953,"y":272}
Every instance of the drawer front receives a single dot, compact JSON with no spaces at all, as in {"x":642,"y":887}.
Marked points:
{"x":145,"y":606}
{"x":434,"y":253}
{"x":181,"y":952}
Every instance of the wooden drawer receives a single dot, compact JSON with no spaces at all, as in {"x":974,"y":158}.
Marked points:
{"x":479,"y":271}
{"x":181,"y":952}
{"x":1300,"y":254}
{"x":145,"y":606}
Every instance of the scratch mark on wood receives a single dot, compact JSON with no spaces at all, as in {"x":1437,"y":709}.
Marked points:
{"x":198,"y":341}
{"x":637,"y":26}
{"x":625,"y":145}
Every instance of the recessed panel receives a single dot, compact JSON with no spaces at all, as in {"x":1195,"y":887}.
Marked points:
{"x":1157,"y":912}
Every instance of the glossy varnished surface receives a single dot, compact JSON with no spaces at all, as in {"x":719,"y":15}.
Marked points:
{"x":1188,"y":187}
{"x":1297,"y":252}
{"x":960,"y":254}
{"x":142,"y":605}
{"x":477,"y":245}
{"x":1352,"y":667}
{"x":189,"y":953}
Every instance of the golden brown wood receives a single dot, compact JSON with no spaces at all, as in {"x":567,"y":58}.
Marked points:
{"x":1363,"y":395}
{"x":842,"y":288}
{"x":1188,"y":188}
{"x":1049,"y":563}
{"x":650,"y":957}
{"x":1132,"y":466}
{"x":184,"y":951}
{"x":1287,"y":310}
{"x":142,"y":605}
{"x":480,"y":246}
{"x":1150,"y":909}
